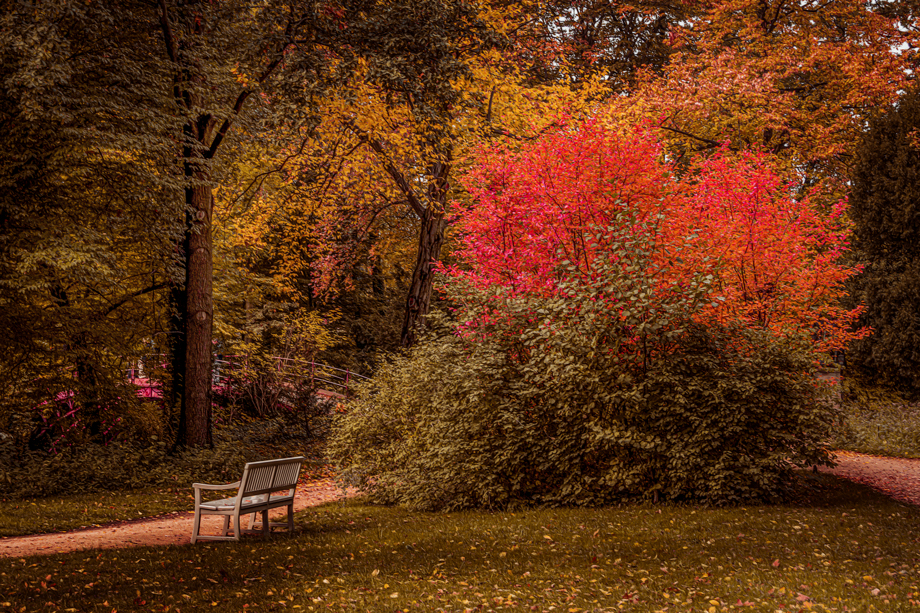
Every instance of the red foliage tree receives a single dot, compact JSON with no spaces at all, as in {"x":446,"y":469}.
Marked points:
{"x":775,"y":259}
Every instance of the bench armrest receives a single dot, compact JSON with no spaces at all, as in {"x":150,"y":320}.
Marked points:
{"x":207,"y":486}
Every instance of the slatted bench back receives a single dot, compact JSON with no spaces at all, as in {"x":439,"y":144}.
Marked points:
{"x":270,"y":476}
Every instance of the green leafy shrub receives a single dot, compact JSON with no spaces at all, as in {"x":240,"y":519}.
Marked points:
{"x":609,"y":391}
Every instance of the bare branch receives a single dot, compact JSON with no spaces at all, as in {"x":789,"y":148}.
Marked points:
{"x":133,"y":295}
{"x":172,"y":50}
{"x":260,"y":178}
{"x":708,"y":141}
{"x":244,"y":95}
{"x":412,"y":198}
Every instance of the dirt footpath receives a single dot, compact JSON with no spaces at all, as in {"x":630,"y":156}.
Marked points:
{"x":173,"y":529}
{"x":897,"y":477}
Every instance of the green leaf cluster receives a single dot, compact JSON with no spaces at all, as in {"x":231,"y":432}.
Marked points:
{"x":608,"y":390}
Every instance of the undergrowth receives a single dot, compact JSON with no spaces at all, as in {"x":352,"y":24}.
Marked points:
{"x":123,"y":466}
{"x":877,"y":421}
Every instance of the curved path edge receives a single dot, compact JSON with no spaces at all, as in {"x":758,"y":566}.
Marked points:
{"x":895,"y":477}
{"x":174,"y":529}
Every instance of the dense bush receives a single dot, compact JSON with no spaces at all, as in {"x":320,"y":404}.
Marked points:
{"x":130,"y":464}
{"x":608,"y":391}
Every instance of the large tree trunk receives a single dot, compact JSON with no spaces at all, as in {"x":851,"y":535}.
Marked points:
{"x":195,"y":422}
{"x":430,"y":240}
{"x":201,"y":140}
{"x":195,"y":416}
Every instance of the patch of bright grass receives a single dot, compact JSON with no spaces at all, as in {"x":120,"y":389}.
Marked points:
{"x":892,"y":431}
{"x":59,"y":514}
{"x":849,"y":549}
{"x":878,"y":422}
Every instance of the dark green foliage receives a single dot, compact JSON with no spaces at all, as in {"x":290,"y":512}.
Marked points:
{"x":885,"y":193}
{"x":607,"y":392}
{"x":88,"y":212}
{"x":885,"y":204}
{"x":117,"y":466}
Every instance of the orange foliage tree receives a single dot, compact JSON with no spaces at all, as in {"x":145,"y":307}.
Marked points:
{"x":383,"y":162}
{"x":795,"y":79}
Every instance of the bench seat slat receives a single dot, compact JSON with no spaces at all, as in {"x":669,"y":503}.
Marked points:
{"x":228,"y":504}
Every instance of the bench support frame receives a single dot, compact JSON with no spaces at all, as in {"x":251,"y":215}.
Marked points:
{"x":259,"y":482}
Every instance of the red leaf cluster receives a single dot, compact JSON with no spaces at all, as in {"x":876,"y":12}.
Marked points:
{"x":775,"y":258}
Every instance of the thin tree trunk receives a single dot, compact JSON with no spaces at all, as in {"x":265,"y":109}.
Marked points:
{"x":430,"y":241}
{"x":175,"y":343}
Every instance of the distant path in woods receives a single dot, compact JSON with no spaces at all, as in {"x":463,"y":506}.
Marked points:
{"x":896,"y":477}
{"x":169,"y":530}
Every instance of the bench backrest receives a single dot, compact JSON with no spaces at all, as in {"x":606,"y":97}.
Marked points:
{"x":270,"y":476}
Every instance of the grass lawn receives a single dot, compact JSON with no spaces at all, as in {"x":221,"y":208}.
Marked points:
{"x":847,"y":549}
{"x":59,"y":514}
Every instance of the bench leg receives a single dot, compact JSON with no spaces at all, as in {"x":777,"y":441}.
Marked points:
{"x":196,"y":525}
{"x":252,"y":521}
{"x":226,"y":531}
{"x":290,"y":509}
{"x":236,"y":525}
{"x":265,"y":527}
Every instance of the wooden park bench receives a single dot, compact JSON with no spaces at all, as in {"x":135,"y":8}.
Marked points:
{"x":260,"y":489}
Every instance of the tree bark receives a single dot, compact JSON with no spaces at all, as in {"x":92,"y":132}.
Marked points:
{"x":195,"y":420}
{"x":195,"y":415}
{"x":418,"y":301}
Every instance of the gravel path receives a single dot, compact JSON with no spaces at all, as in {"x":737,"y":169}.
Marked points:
{"x":170,"y":530}
{"x":896,"y":477}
